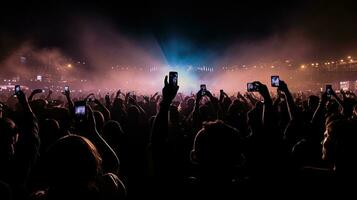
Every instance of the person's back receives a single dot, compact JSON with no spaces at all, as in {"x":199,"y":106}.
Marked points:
{"x":217,"y":152}
{"x":73,"y":171}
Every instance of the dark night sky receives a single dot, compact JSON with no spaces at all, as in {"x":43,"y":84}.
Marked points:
{"x":330,"y":24}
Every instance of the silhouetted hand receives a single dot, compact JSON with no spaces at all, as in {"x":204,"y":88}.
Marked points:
{"x":117,"y":94}
{"x":221,"y":95}
{"x":240,"y":96}
{"x":262,"y":89}
{"x":154,"y":97}
{"x":169,"y":92}
{"x":21,"y":96}
{"x":198,"y":96}
{"x":96,"y":101}
{"x":36,"y":91}
{"x":66,"y":93}
{"x":91,"y":94}
{"x":283,"y":87}
{"x":132,"y":100}
{"x":90,"y":119}
{"x":146,"y":98}
{"x":209,"y":94}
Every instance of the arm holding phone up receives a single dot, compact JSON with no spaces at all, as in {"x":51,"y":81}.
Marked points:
{"x":289,"y":99}
{"x":86,"y":126}
{"x":67,"y":93}
{"x":105,"y":110}
{"x":28,"y":144}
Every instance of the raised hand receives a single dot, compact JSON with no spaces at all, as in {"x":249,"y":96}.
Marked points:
{"x":146,"y":98}
{"x":198,"y":96}
{"x":221,"y":95}
{"x":36,"y":91}
{"x":208,"y":93}
{"x":21,"y":96}
{"x":107,"y":97}
{"x":283,"y":87}
{"x":91,"y":94}
{"x":67,"y":93}
{"x":118,"y":93}
{"x":262,"y":89}
{"x":91,"y":124}
{"x":168,"y":92}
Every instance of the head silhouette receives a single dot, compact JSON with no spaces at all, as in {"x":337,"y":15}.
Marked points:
{"x":8,"y":138}
{"x":133,"y":114}
{"x":338,"y":146}
{"x":49,"y":133}
{"x":217,"y":144}
{"x":113,"y":133}
{"x":71,"y":160}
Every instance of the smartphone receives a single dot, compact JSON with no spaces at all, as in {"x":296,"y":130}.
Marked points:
{"x":17,"y":89}
{"x":203,"y":89}
{"x":251,"y":87}
{"x":173,"y":78}
{"x":80,"y":110}
{"x":66,"y":88}
{"x":275,"y":81}
{"x":329,"y":90}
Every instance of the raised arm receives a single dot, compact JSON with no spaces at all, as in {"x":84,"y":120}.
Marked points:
{"x":213,"y":100}
{"x":318,"y":117}
{"x":194,"y":114}
{"x":108,"y":103}
{"x":159,"y":130}
{"x":49,"y":98}
{"x":88,"y":130}
{"x":105,"y":110}
{"x":69,"y":101}
{"x":34,"y":92}
{"x":342,"y":103}
{"x":250,"y":97}
{"x":267,"y":116}
{"x":289,"y":99}
{"x":27,"y":147}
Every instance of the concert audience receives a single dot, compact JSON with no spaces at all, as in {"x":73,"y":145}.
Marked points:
{"x":125,"y":146}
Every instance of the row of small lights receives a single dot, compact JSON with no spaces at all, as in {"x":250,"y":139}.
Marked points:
{"x":342,"y":61}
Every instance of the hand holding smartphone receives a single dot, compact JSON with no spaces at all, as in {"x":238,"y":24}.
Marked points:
{"x":252,"y":87}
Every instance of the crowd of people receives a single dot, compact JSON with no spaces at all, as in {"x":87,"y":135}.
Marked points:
{"x":173,"y":145}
